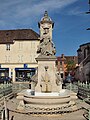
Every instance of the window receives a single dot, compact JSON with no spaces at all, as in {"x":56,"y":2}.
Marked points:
{"x":7,"y":46}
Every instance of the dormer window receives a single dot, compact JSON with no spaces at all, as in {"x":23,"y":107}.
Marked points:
{"x":7,"y":46}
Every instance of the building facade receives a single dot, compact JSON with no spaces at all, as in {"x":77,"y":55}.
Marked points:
{"x":20,"y":48}
{"x":18,"y":52}
{"x":83,"y":70}
{"x":60,"y":65}
{"x":66,"y":64}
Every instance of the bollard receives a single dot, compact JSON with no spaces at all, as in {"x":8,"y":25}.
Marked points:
{"x":89,"y":85}
{"x":3,"y":115}
{"x":6,"y":110}
{"x":78,"y":83}
{"x":5,"y":106}
{"x":86,"y":84}
{"x":83,"y":84}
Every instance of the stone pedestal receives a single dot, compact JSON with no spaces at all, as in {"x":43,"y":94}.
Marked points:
{"x":46,"y":78}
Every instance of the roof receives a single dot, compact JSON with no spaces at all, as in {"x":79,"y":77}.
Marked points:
{"x":8,"y":36}
{"x":85,"y":44}
{"x":79,"y":50}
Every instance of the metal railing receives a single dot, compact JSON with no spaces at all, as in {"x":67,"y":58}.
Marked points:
{"x":86,"y":113}
{"x":72,"y":87}
{"x":84,"y":91}
{"x":17,"y":87}
{"x":5,"y":89}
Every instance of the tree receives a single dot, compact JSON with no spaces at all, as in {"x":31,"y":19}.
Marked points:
{"x":70,"y":66}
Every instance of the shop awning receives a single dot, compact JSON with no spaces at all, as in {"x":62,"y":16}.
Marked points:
{"x":30,"y":69}
{"x":4,"y":69}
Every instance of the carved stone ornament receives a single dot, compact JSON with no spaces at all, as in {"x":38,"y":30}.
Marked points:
{"x":46,"y":47}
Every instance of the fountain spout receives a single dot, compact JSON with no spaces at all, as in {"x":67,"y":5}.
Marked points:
{"x":46,"y":79}
{"x":46,"y":84}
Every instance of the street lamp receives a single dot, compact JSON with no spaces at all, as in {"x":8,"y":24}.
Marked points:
{"x":89,"y":8}
{"x":88,"y":29}
{"x":88,"y":12}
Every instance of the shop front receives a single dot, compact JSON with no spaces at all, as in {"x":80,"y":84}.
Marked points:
{"x":4,"y":74}
{"x":24,"y":74}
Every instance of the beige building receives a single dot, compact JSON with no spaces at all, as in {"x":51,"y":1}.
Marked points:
{"x":18,"y":50}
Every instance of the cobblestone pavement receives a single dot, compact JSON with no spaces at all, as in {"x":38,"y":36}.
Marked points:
{"x":70,"y":116}
{"x":77,"y":115}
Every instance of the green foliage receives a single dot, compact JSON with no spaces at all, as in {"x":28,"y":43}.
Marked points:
{"x":70,"y":65}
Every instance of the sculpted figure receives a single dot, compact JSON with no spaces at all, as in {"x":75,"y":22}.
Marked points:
{"x":46,"y":47}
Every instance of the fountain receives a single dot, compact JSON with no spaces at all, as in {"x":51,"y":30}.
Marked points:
{"x":47,"y":94}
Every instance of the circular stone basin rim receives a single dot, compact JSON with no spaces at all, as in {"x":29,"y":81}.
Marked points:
{"x":62,"y":93}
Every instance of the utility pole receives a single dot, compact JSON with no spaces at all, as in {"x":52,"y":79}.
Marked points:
{"x":88,"y":12}
{"x":89,"y":8}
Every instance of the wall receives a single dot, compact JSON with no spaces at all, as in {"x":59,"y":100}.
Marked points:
{"x":20,"y":53}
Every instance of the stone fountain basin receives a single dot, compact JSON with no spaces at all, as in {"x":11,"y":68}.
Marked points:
{"x":54,"y":98}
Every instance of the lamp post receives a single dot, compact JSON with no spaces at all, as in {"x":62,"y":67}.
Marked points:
{"x":88,"y":12}
{"x":5,"y":107}
{"x":5,"y":114}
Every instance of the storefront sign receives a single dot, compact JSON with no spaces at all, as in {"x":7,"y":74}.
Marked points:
{"x":25,"y":65}
{"x":4,"y":69}
{"x":30,"y":69}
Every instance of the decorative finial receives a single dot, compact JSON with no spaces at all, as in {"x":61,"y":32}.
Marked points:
{"x":46,"y":14}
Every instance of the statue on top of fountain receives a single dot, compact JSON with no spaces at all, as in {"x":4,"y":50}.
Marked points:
{"x":46,"y":46}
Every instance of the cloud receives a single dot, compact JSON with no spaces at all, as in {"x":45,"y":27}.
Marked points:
{"x":74,"y":11}
{"x":49,"y":5}
{"x":27,"y":11}
{"x":24,"y":8}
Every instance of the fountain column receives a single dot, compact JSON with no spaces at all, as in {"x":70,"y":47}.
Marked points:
{"x":46,"y":50}
{"x":46,"y":77}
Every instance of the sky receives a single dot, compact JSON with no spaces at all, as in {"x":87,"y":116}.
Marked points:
{"x":69,"y":17}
